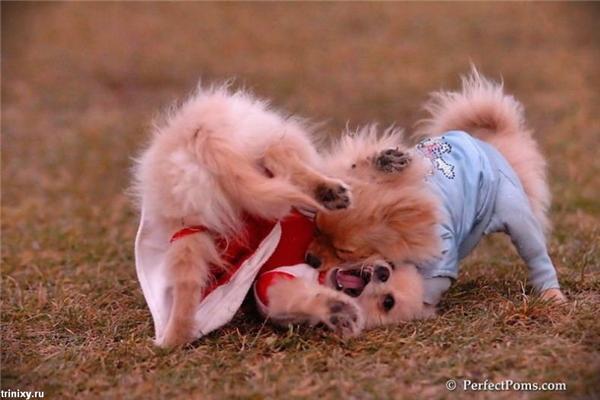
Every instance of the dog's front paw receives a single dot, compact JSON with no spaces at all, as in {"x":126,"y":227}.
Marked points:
{"x":392,"y":160}
{"x":333,"y":195}
{"x":554,"y":295}
{"x":344,"y":317}
{"x":429,"y":311}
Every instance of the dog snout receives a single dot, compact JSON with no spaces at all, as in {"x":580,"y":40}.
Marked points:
{"x":382,"y":273}
{"x":312,"y":260}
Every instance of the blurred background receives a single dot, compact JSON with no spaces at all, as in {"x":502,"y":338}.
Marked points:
{"x":81,"y":83}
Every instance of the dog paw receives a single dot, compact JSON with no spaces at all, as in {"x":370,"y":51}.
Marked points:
{"x":429,"y":311}
{"x":343,"y":317}
{"x":177,"y":334}
{"x":392,"y":160}
{"x":554,"y":295}
{"x":333,"y":196}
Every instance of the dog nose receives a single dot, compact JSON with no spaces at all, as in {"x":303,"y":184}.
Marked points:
{"x":382,"y":273}
{"x":312,"y":260}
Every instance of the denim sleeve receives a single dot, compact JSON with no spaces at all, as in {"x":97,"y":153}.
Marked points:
{"x":447,"y":264}
{"x":513,"y":213}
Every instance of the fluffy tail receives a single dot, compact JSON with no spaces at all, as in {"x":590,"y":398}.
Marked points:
{"x":482,"y":109}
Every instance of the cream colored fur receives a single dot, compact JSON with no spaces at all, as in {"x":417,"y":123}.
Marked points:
{"x":394,"y":215}
{"x":300,"y":301}
{"x":406,"y":287}
{"x":219,"y":155}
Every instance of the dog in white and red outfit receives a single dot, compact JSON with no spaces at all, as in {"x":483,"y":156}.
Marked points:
{"x":216,"y":159}
{"x":268,"y":256}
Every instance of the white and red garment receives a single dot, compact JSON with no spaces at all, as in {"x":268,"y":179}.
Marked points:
{"x":260,"y":251}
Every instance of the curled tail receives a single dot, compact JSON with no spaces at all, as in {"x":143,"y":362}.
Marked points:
{"x":482,"y":109}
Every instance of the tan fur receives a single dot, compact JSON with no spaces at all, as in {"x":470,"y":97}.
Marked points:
{"x":394,"y":218}
{"x":188,"y":259}
{"x":298,"y":301}
{"x":217,"y":156}
{"x":395,"y":226}
{"x":240,"y":177}
{"x":393,"y":215}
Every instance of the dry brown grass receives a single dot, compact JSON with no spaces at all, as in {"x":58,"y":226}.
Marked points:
{"x":80,"y":83}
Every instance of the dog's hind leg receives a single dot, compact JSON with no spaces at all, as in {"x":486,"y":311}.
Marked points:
{"x":268,"y":187}
{"x":188,"y":261}
{"x":513,"y":214}
{"x":283,"y":160}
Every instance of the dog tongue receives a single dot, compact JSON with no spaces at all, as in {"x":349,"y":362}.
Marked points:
{"x":350,"y":281}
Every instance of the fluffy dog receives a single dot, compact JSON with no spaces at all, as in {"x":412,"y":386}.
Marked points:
{"x":375,"y":293}
{"x":429,"y":205}
{"x":218,"y":157}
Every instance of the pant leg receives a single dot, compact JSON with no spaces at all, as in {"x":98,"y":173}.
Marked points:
{"x":513,"y":215}
{"x":435,"y":288}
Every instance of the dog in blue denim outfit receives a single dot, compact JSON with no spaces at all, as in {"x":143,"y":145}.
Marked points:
{"x":477,"y":171}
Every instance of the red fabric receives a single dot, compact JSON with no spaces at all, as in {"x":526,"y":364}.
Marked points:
{"x":187,"y":231}
{"x":297,"y":232}
{"x":266,"y":280}
{"x":322,"y":276}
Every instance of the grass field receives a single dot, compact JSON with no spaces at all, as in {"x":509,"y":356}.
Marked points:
{"x":80,"y":85}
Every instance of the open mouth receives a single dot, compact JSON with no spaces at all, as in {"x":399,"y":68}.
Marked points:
{"x":351,"y":281}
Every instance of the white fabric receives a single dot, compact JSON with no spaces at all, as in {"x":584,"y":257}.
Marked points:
{"x":216,"y":309}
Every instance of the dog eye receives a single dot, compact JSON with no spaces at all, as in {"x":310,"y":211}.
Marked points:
{"x":388,"y":302}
